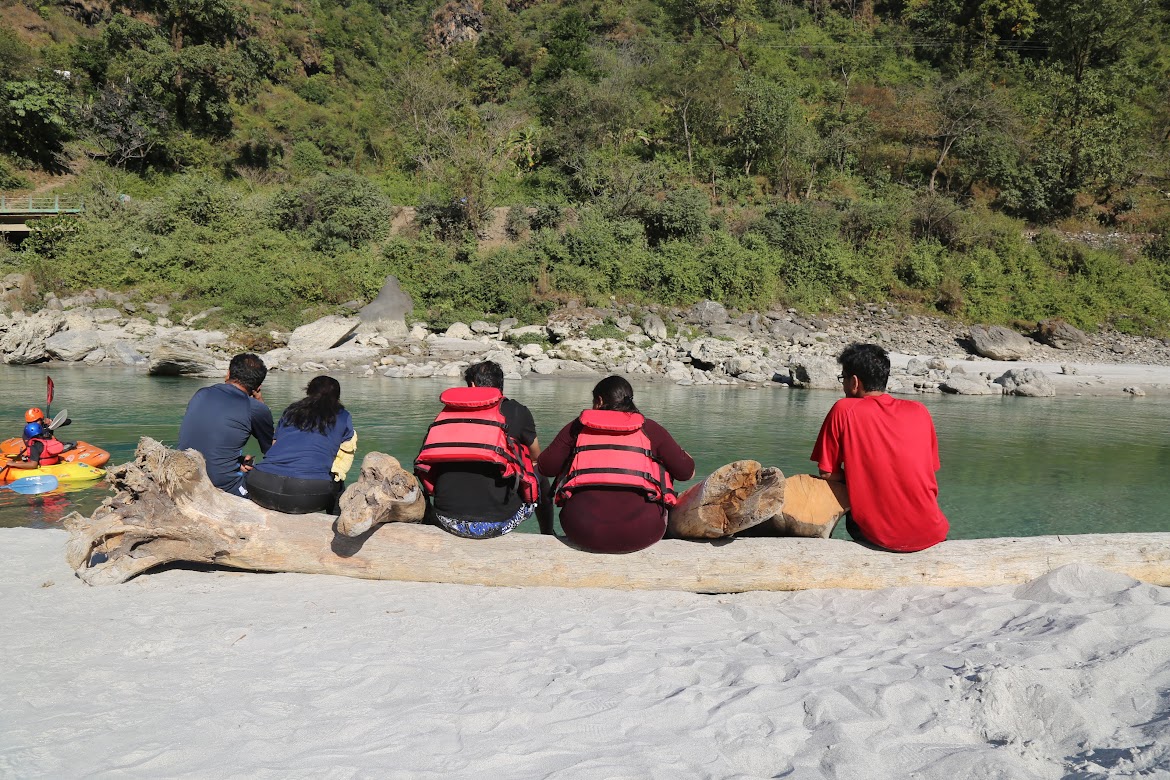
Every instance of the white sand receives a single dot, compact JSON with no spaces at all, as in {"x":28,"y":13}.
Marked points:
{"x":223,"y":674}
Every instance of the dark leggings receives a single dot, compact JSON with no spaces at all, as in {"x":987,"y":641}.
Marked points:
{"x":292,"y":495}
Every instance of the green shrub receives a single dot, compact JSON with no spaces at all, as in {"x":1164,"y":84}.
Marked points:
{"x":685,"y":213}
{"x":516,"y":222}
{"x":548,"y":216}
{"x":606,"y":330}
{"x":336,"y":210}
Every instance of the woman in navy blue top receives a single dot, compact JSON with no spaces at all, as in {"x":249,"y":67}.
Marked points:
{"x":305,"y":469}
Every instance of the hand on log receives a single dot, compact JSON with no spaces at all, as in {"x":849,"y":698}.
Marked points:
{"x":384,"y":493}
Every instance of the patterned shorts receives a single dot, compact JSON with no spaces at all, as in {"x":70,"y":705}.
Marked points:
{"x":485,"y":529}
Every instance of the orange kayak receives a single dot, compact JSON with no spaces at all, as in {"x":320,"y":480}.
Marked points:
{"x":82,"y":452}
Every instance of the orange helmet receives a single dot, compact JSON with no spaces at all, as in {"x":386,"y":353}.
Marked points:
{"x":34,"y":415}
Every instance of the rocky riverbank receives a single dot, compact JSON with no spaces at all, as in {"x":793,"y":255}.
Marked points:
{"x":701,"y":345}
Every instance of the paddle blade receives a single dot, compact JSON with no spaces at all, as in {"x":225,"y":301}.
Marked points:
{"x":61,"y":419}
{"x":28,"y":486}
{"x":49,"y":391}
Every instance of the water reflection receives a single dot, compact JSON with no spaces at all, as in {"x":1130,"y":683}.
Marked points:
{"x":1011,"y":466}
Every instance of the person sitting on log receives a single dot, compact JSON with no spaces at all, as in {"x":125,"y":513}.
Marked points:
{"x":886,"y":451}
{"x":616,"y":473}
{"x":476,"y":463}
{"x":220,"y":419}
{"x":314,"y":447}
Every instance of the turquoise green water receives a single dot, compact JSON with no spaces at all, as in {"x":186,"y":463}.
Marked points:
{"x":1011,"y":466}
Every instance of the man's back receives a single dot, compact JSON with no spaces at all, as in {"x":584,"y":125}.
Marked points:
{"x":890,"y":455}
{"x":218,"y":422}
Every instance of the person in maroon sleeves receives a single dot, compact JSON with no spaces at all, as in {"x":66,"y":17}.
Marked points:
{"x":886,"y":452}
{"x":616,"y":473}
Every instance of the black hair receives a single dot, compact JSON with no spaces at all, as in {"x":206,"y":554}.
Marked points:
{"x":869,"y":363}
{"x":249,"y":370}
{"x":318,"y":410}
{"x":615,"y":394}
{"x":485,"y":374}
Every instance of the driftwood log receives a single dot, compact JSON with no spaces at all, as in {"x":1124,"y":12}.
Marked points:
{"x":734,"y":497}
{"x":812,"y":507}
{"x":384,"y":493}
{"x":167,"y":511}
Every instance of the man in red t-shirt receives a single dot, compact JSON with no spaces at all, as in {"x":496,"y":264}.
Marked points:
{"x":886,"y":452}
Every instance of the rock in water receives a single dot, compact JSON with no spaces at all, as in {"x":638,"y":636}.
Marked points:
{"x":179,"y":359}
{"x":816,"y":374}
{"x":961,"y":384}
{"x":1027,"y":381}
{"x":999,"y":343}
{"x":323,"y":334}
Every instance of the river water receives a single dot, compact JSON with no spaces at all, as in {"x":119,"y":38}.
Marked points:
{"x":1011,"y":466}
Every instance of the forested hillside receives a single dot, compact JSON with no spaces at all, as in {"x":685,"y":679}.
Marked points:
{"x":989,"y":159}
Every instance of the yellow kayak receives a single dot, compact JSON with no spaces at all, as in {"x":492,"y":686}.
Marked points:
{"x":64,"y":472}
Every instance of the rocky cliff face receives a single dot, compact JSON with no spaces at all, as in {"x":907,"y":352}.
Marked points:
{"x":459,"y":21}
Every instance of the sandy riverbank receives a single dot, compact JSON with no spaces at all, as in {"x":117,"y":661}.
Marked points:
{"x":223,"y":674}
{"x":1088,"y":379}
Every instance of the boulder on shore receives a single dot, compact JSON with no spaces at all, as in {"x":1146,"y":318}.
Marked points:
{"x":999,"y":343}
{"x":391,"y":304}
{"x":24,"y":342}
{"x":1031,"y":382}
{"x":72,"y":345}
{"x":323,"y":334}
{"x":708,"y":313}
{"x":1059,"y":334}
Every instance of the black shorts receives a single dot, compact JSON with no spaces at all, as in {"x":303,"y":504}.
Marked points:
{"x":292,"y":495}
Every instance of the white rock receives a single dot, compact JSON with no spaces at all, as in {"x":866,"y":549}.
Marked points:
{"x":323,"y":334}
{"x":25,"y":340}
{"x":531,"y":350}
{"x":458,"y":330}
{"x":73,"y":345}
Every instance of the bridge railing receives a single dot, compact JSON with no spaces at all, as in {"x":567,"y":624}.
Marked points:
{"x":41,"y":204}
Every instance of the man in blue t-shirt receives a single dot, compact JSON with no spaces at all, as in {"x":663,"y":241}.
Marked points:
{"x":220,"y":418}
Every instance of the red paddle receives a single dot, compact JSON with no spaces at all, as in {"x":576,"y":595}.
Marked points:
{"x":48,"y":395}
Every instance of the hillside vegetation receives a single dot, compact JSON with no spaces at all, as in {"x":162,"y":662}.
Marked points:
{"x":951,"y":155}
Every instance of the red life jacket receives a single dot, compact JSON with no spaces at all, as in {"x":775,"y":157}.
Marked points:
{"x":612,"y":451}
{"x":51,"y":450}
{"x":471,"y":429}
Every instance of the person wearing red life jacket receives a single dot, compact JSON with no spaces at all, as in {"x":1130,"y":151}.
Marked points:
{"x":40,"y":448}
{"x":616,"y":473}
{"x":477,"y":462}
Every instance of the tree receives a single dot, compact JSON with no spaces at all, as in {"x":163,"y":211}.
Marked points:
{"x":772,"y":133}
{"x":971,"y":30}
{"x":963,"y":107}
{"x":1089,"y":33}
{"x":729,"y":22}
{"x":35,"y":120}
{"x":128,"y":125}
{"x":194,"y":61}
